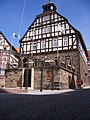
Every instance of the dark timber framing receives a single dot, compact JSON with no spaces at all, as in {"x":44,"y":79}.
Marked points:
{"x":48,"y":28}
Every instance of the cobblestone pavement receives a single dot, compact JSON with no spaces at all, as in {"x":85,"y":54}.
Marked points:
{"x":73,"y":105}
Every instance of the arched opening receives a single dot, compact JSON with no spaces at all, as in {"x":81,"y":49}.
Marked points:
{"x":25,"y":61}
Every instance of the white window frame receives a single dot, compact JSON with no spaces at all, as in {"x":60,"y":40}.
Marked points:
{"x":47,"y":17}
{"x":54,"y":42}
{"x":2,"y":71}
{"x":34,"y":32}
{"x":4,"y":57}
{"x":65,"y":41}
{"x":46,"y":29}
{"x":34,"y":45}
{"x":43,"y":44}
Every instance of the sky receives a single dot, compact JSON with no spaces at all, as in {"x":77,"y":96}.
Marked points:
{"x":11,"y":19}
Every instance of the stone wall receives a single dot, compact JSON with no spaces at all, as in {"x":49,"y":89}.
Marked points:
{"x":84,"y":71}
{"x":60,"y":78}
{"x":37,"y":78}
{"x":80,"y":65}
{"x":2,"y":80}
{"x":13,"y":78}
{"x":76,"y":61}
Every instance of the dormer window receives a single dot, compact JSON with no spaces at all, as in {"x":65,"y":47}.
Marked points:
{"x":48,"y":6}
{"x":45,"y":9}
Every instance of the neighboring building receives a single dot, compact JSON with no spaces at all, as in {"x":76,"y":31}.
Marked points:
{"x":88,"y":67}
{"x":8,"y":57}
{"x":18,"y":49}
{"x":52,"y":40}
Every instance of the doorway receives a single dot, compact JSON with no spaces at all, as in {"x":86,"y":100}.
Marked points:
{"x":27,"y":78}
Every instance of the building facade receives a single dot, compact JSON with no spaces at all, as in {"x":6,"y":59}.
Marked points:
{"x":88,"y":73}
{"x":52,"y":41}
{"x":8,"y":58}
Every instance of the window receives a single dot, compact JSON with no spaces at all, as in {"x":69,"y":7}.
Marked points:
{"x":46,"y":29}
{"x":4,"y":66}
{"x":45,"y":9}
{"x":65,"y":41}
{"x":61,"y":28}
{"x":0,"y":39}
{"x":48,"y":7}
{"x":45,"y":18}
{"x":39,"y":30}
{"x":43,"y":44}
{"x":4,"y":57}
{"x":34,"y":46}
{"x":34,"y":32}
{"x":2,"y":72}
{"x":68,"y":60}
{"x":54,"y":42}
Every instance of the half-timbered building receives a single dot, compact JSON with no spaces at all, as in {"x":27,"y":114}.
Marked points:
{"x":51,"y":41}
{"x":8,"y":58}
{"x":88,"y":73}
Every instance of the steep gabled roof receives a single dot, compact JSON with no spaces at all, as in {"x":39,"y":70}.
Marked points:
{"x":78,"y":34}
{"x":18,"y":49}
